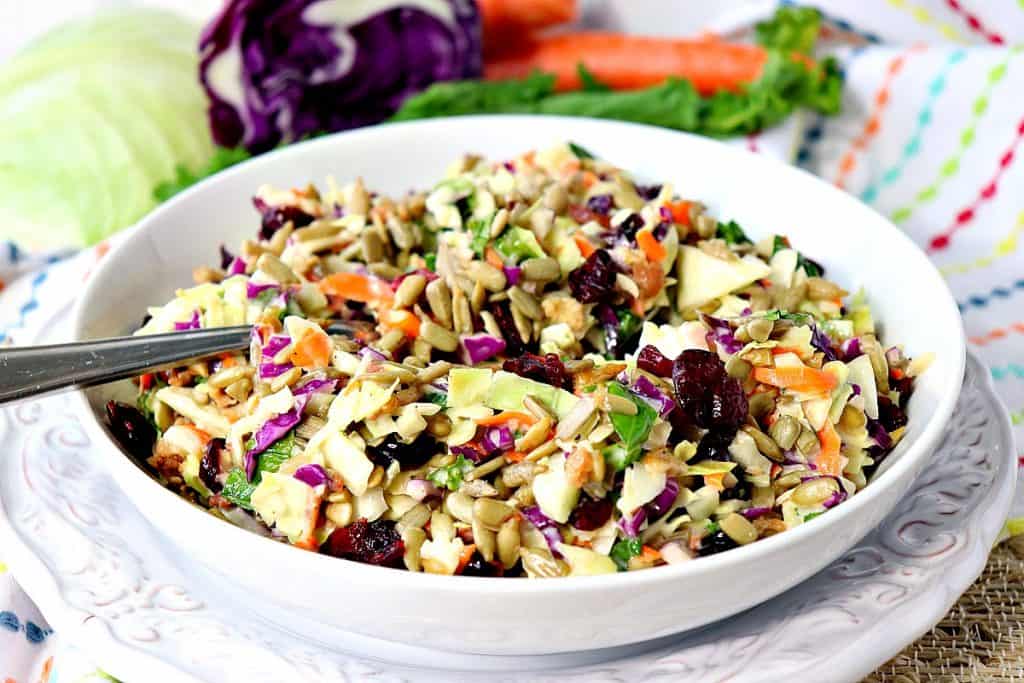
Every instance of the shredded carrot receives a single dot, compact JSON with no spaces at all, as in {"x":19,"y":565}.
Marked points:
{"x":694,"y":542}
{"x":466,"y":556}
{"x":715,"y":481}
{"x":203,"y":436}
{"x":514,"y":456}
{"x":797,"y":378}
{"x":356,"y":287}
{"x":506,"y":416}
{"x":589,"y":179}
{"x":896,"y":373}
{"x":578,"y":466}
{"x":654,"y":249}
{"x":586,"y":248}
{"x":405,"y":321}
{"x":145,"y":381}
{"x":569,"y":167}
{"x":227,"y":360}
{"x":829,"y":461}
{"x":581,"y":543}
{"x":312,"y":351}
{"x":493,"y":257}
{"x":779,"y":350}
{"x":650,"y":554}
{"x":680,"y":211}
{"x":637,"y":307}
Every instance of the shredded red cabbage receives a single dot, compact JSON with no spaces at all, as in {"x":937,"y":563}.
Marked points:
{"x":850,"y":349}
{"x":272,"y":430}
{"x":823,"y":343}
{"x":481,"y":347}
{"x":754,"y":513}
{"x":192,"y":324}
{"x":312,"y":474}
{"x":547,"y":526}
{"x":663,"y":501}
{"x":269,"y":369}
{"x":468,"y":452}
{"x":253,"y":289}
{"x":659,"y":400}
{"x":498,"y":439}
{"x":512,"y":273}
{"x":236,"y":267}
{"x":878,"y":433}
{"x":721,"y":333}
{"x":372,"y":353}
{"x":835,"y":499}
{"x":630,"y":524}
{"x":315,"y":386}
{"x":421,"y":489}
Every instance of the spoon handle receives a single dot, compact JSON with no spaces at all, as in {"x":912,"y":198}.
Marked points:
{"x":34,"y":370}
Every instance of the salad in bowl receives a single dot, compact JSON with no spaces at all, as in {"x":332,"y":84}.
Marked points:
{"x":556,"y":370}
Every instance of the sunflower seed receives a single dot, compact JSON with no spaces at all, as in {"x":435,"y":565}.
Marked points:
{"x":409,"y":291}
{"x":534,"y":436}
{"x":493,"y":279}
{"x":541,"y":269}
{"x":499,"y":223}
{"x":440,"y":300}
{"x":508,"y":542}
{"x":438,"y":337}
{"x":276,"y":269}
{"x":525,"y":303}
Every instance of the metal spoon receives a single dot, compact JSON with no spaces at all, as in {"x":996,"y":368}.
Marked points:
{"x":34,"y":370}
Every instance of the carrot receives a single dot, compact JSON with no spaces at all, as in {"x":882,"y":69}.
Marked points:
{"x":506,"y":416}
{"x":589,"y":179}
{"x":227,"y":360}
{"x":715,"y":481}
{"x":654,"y":249}
{"x":578,"y":466}
{"x":680,"y":211}
{"x":506,"y":20}
{"x":467,"y":555}
{"x":585,"y":247}
{"x":356,"y":287}
{"x":637,"y":307}
{"x":312,"y":351}
{"x":649,"y":554}
{"x":491,"y":256}
{"x":630,"y":62}
{"x":829,"y":461}
{"x":402,"y":320}
{"x":145,"y":381}
{"x":514,"y":456}
{"x":203,"y":436}
{"x":798,"y":378}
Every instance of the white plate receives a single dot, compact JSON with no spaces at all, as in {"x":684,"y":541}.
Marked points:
{"x":108,"y":582}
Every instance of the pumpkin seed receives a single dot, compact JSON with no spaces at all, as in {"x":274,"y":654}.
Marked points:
{"x":760,"y":329}
{"x":438,"y":337}
{"x":493,"y":279}
{"x":852,"y":418}
{"x":276,"y":269}
{"x":764,"y":444}
{"x":785,"y":431}
{"x":761,"y":404}
{"x":508,"y":542}
{"x":413,"y":539}
{"x":807,"y":442}
{"x":541,"y":269}
{"x":486,"y":540}
{"x":409,"y":290}
{"x":738,"y":368}
{"x":499,"y":223}
{"x":738,"y":528}
{"x":461,"y":317}
{"x":491,"y":513}
{"x":534,"y":436}
{"x":440,"y":300}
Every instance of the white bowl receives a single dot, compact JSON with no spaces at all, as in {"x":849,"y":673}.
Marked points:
{"x":858,"y":247}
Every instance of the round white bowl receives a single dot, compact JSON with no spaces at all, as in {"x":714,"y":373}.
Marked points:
{"x":858,"y":247}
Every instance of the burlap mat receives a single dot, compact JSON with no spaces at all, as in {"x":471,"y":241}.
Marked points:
{"x":980,"y":639}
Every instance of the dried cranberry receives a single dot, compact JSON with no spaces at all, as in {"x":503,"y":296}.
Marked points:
{"x":275,"y":217}
{"x":375,"y":542}
{"x":648,"y":192}
{"x":514,"y":345}
{"x":591,"y":514}
{"x":131,"y":429}
{"x":629,"y":227}
{"x":209,"y":466}
{"x":582,"y":214}
{"x":601,"y":203}
{"x":715,"y":445}
{"x":414,"y":454}
{"x":716,"y":543}
{"x":651,"y":360}
{"x":905,"y":386}
{"x":890,"y":415}
{"x":594,"y":281}
{"x":478,"y":566}
{"x":548,"y":369}
{"x":705,"y":393}
{"x":226,"y":257}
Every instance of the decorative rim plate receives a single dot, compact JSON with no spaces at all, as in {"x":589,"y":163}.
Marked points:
{"x":109,"y":583}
